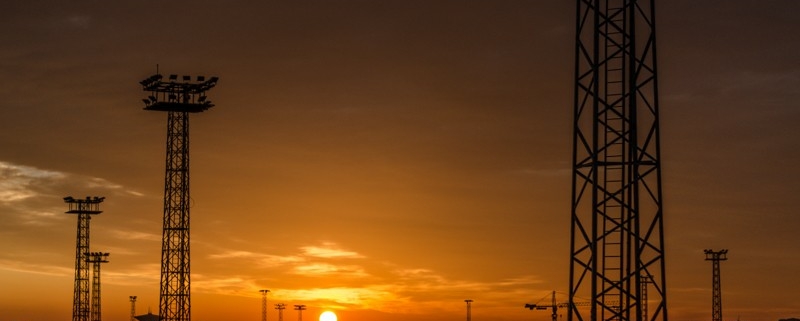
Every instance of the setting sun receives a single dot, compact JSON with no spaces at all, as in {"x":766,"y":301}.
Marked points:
{"x":327,"y":316}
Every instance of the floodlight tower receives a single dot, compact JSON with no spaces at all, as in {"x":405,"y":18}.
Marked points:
{"x":178,"y":99}
{"x":84,"y":208}
{"x":299,"y":308}
{"x":280,"y":307}
{"x":264,"y":304}
{"x":133,"y":307}
{"x":96,"y":258}
{"x":617,"y":230}
{"x":469,"y":309}
{"x":716,"y":297}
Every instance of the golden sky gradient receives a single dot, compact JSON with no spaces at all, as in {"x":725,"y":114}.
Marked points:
{"x":382,"y":159}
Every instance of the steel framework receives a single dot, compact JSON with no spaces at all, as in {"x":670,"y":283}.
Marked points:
{"x":617,"y":231}
{"x":280,"y":307}
{"x":264,"y":304}
{"x":84,"y":208}
{"x":96,"y":258}
{"x":469,"y":309}
{"x":299,"y":308}
{"x":133,"y":307}
{"x":716,"y":296}
{"x":178,"y":98}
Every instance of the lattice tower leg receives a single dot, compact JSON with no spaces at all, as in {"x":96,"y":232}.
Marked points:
{"x":175,"y":264}
{"x":80,"y":302}
{"x":617,"y":229}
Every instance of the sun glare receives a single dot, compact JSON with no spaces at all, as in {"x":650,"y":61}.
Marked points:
{"x":327,"y":316}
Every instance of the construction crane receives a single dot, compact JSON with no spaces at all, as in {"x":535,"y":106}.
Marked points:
{"x":554,"y":305}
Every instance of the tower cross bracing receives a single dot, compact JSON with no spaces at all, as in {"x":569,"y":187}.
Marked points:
{"x":716,"y":281}
{"x":178,"y":98}
{"x":96,"y":258}
{"x":616,"y":217}
{"x":84,"y":209}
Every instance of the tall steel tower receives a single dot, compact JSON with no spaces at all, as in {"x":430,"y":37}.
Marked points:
{"x":280,"y":307}
{"x":716,"y":296}
{"x":264,"y":304}
{"x":299,"y":308}
{"x":178,"y":98}
{"x":84,"y":208}
{"x":133,"y":307}
{"x":96,"y":258}
{"x":617,"y":231}
{"x":469,"y":309}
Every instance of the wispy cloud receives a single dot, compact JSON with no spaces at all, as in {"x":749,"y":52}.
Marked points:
{"x":45,"y":269}
{"x":29,"y":193}
{"x":329,"y":250}
{"x":133,"y":275}
{"x":355,"y":284}
{"x":19,"y":182}
{"x":327,"y":269}
{"x":134,"y":235}
{"x":370,"y":297}
{"x":266,"y":260}
{"x":232,"y":285}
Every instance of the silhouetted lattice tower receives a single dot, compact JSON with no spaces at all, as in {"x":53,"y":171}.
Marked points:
{"x":617,"y":231}
{"x":280,"y":307}
{"x":133,"y":307}
{"x":264,"y":304}
{"x":469,"y":309}
{"x":96,"y":258}
{"x":84,"y":208}
{"x":299,"y":308}
{"x":178,"y":98}
{"x":716,"y":296}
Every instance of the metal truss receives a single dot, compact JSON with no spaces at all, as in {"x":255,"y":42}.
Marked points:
{"x":179,"y":99}
{"x":617,"y":230}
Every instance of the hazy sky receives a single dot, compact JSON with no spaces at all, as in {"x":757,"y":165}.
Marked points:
{"x":384,"y":159}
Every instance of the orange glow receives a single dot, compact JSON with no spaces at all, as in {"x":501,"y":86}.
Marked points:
{"x":327,"y":316}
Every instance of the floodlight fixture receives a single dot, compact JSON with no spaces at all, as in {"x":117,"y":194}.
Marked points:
{"x":184,"y":95}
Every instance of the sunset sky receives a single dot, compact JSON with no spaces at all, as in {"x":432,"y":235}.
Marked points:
{"x":383,"y":159}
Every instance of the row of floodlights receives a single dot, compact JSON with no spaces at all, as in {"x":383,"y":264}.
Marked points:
{"x":70,"y":199}
{"x":173,"y":97}
{"x":172,"y":78}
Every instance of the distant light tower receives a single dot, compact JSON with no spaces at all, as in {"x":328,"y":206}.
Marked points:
{"x":133,"y":307}
{"x":96,"y":258}
{"x":716,"y":296}
{"x":280,"y":307}
{"x":84,"y":208}
{"x":299,"y":308}
{"x":264,"y":304}
{"x":178,"y":99}
{"x":469,"y":309}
